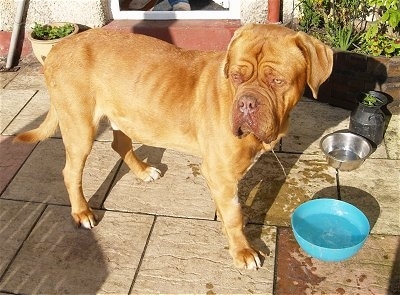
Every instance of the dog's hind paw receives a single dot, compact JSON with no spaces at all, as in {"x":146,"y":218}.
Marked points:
{"x":152,"y":174}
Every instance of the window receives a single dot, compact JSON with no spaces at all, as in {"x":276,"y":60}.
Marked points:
{"x":231,"y":10}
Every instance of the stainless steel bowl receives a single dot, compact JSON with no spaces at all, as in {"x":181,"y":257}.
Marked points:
{"x":344,"y":150}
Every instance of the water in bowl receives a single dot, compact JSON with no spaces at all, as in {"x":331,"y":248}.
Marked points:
{"x":344,"y":155}
{"x":330,"y":231}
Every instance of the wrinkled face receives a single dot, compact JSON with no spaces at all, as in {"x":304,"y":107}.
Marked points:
{"x":268,"y":70}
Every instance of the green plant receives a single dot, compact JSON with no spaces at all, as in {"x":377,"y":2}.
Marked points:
{"x":382,"y":37}
{"x":345,"y":24}
{"x":311,"y":16}
{"x":370,"y":100}
{"x":333,"y":21}
{"x":48,"y":32}
{"x":345,"y":37}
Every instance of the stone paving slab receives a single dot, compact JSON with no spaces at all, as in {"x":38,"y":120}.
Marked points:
{"x":33,"y":114}
{"x":311,"y":120}
{"x":6,"y":77}
{"x":392,"y":137}
{"x":40,"y":179}
{"x":16,"y":221}
{"x":57,"y":258}
{"x":269,"y":197}
{"x":11,"y":103}
{"x":374,"y":187}
{"x":375,"y":269}
{"x":181,"y":191}
{"x":191,"y":257}
{"x":30,"y":76}
{"x":12,"y":157}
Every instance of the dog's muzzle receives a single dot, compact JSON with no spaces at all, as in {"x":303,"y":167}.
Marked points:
{"x":253,"y":113}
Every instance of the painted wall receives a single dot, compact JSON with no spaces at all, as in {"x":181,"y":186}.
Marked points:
{"x":93,"y":13}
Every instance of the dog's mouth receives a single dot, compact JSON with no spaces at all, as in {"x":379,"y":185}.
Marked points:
{"x":244,"y":130}
{"x":249,"y":115}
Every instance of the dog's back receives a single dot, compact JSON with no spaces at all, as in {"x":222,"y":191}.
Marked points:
{"x":134,"y":81}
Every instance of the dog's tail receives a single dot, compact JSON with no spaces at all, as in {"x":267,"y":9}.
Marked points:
{"x":45,"y":130}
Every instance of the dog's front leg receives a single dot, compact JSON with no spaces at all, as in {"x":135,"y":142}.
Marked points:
{"x":224,"y":192}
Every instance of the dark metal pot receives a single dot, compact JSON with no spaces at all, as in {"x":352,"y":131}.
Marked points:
{"x":369,"y":120}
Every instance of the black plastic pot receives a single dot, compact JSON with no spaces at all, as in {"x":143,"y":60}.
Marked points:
{"x":369,"y":120}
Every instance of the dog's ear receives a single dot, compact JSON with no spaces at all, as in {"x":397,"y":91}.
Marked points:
{"x":319,"y":58}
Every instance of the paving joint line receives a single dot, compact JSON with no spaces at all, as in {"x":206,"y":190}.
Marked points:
{"x":19,"y":168}
{"x":19,"y":112}
{"x":143,"y":254}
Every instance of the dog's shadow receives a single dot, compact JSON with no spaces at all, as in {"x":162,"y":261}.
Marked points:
{"x":153,"y":156}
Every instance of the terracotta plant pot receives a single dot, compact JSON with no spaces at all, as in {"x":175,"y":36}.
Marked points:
{"x":41,"y":48}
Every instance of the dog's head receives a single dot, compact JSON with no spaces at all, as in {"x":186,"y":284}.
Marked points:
{"x":268,"y":67}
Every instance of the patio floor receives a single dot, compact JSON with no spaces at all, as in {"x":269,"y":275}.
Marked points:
{"x":163,"y":237}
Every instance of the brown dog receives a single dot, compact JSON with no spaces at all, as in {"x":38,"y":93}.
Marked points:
{"x":223,"y":107}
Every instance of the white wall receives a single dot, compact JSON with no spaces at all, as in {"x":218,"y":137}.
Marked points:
{"x":93,"y":13}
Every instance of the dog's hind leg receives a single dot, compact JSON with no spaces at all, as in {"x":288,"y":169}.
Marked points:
{"x":78,"y":132}
{"x":122,"y":144}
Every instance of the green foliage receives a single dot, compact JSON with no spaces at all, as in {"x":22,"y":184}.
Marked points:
{"x":332,"y":21}
{"x":340,"y":37}
{"x":370,"y":100}
{"x":382,"y":37}
{"x":311,"y":17}
{"x":344,"y":24}
{"x":48,"y":32}
{"x":377,"y":44}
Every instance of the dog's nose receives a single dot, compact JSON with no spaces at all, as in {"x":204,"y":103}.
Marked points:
{"x":247,"y":104}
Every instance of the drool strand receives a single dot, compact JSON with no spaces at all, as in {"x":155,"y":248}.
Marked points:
{"x":280,"y":163}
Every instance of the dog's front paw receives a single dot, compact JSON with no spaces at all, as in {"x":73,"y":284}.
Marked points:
{"x":85,"y":218}
{"x":246,"y":258}
{"x":151,"y":174}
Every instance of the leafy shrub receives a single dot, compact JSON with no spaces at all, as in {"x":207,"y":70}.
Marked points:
{"x":346,"y":24}
{"x":382,"y":36}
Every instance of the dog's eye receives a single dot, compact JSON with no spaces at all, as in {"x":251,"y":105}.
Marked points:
{"x":272,"y":78}
{"x":237,"y":78}
{"x":276,"y":82}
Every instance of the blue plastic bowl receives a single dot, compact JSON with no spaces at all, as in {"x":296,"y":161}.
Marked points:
{"x":329,"y":229}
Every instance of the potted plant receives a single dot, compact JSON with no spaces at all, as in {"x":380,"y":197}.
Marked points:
{"x":372,"y":99}
{"x":367,"y":119}
{"x":44,"y":37}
